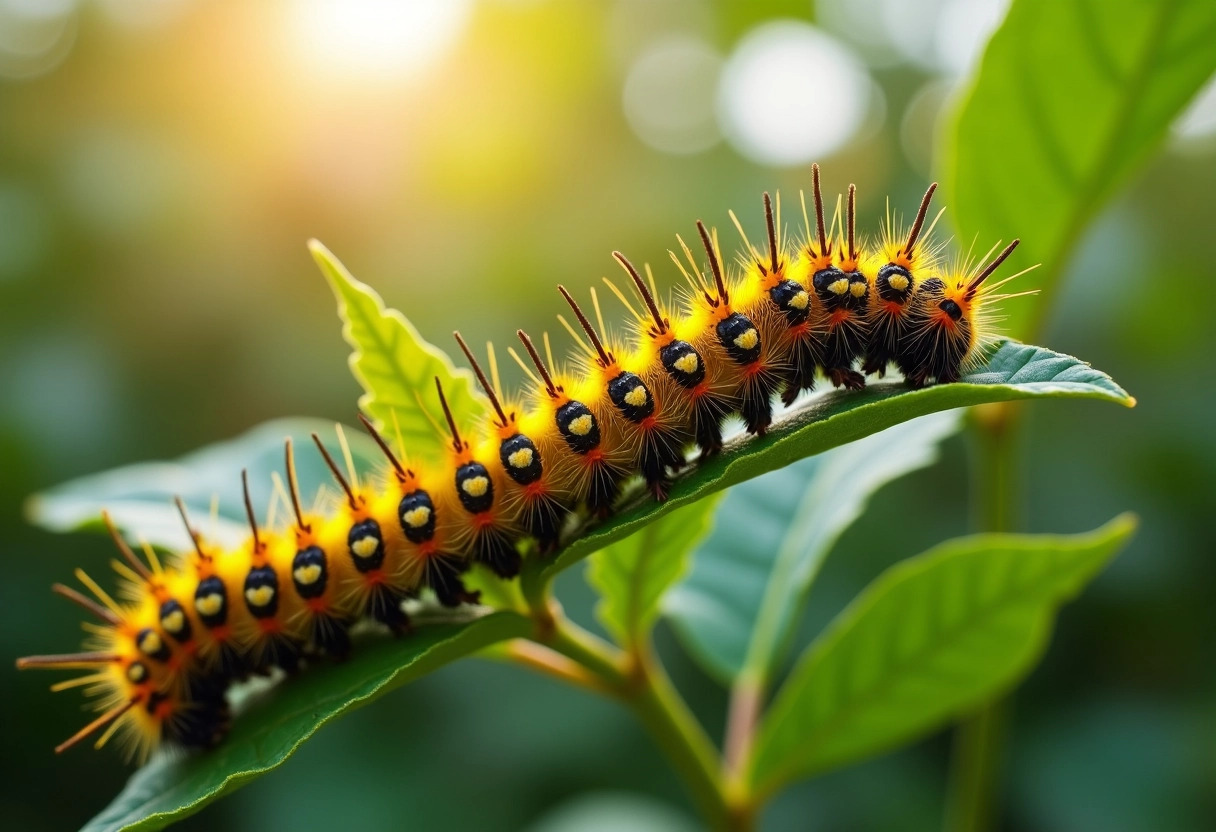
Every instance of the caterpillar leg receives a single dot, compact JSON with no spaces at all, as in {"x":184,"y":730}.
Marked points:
{"x":384,"y":605}
{"x":708,"y":411}
{"x":201,"y":721}
{"x":876,"y":361}
{"x":604,"y":487}
{"x":805,"y":355}
{"x":496,"y":550}
{"x":443,"y":576}
{"x":846,"y":377}
{"x":542,"y":517}
{"x":756,"y":402}
{"x":660,"y":451}
{"x":330,"y":637}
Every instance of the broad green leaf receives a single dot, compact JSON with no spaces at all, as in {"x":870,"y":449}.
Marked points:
{"x":928,"y":639}
{"x":139,"y":497}
{"x":736,"y":609}
{"x":396,"y":367}
{"x":830,"y":419}
{"x":632,"y":574}
{"x":274,"y":725}
{"x":1070,"y":99}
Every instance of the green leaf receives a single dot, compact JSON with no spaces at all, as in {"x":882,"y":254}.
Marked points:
{"x":928,"y":639}
{"x":273,"y":726}
{"x":828,"y":420}
{"x":736,"y":609}
{"x":139,"y":496}
{"x":632,"y":574}
{"x":396,"y":367}
{"x":1071,"y":98}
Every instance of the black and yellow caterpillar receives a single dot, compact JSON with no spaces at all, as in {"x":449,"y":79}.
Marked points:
{"x":745,"y":333}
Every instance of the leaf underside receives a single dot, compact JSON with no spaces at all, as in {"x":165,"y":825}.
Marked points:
{"x":736,"y":609}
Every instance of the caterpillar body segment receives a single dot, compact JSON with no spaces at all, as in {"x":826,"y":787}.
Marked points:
{"x":829,"y":265}
{"x":489,"y":526}
{"x":590,"y":449}
{"x":673,"y":368}
{"x":727,"y":336}
{"x":949,"y":321}
{"x":161,"y":657}
{"x":615,"y":392}
{"x":896,"y":271}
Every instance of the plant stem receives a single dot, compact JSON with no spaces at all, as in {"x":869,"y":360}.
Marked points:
{"x":639,"y":681}
{"x":973,"y":799}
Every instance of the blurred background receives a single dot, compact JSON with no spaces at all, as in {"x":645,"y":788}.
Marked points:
{"x":162,"y":163}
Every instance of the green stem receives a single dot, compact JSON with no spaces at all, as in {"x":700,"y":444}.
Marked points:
{"x":639,"y":681}
{"x":973,"y":799}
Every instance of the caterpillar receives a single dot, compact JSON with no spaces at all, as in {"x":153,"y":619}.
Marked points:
{"x":742,"y":335}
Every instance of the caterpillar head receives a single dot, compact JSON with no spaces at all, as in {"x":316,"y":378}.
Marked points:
{"x":903,"y":263}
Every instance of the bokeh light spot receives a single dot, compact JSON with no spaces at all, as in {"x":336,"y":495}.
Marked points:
{"x":35,"y":36}
{"x":669,"y":95}
{"x":791,"y":94}
{"x":368,"y":40}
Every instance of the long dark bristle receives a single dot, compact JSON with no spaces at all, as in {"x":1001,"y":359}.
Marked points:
{"x":194,"y":538}
{"x":481,"y":378}
{"x":771,"y":222}
{"x":714,"y":265}
{"x":457,"y":444}
{"x":643,"y":290}
{"x":540,"y":365}
{"x":106,"y":718}
{"x":86,"y":603}
{"x":817,"y":195}
{"x":253,"y":520}
{"x":92,"y":658}
{"x":920,"y":220}
{"x":333,"y":468}
{"x":851,"y":215}
{"x":990,"y":268}
{"x":388,"y":452}
{"x":293,"y":486}
{"x":124,"y":549}
{"x":605,"y":356}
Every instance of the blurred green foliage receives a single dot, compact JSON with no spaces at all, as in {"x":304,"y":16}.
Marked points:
{"x":156,"y":189}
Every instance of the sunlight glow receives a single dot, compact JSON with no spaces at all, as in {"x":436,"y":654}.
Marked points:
{"x":370,"y":40}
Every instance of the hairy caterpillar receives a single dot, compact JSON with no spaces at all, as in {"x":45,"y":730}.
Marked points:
{"x":744,"y":333}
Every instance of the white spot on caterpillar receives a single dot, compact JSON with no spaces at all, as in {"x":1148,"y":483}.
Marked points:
{"x":897,"y":282}
{"x":209,"y":605}
{"x":137,"y":672}
{"x":475,"y":486}
{"x":416,"y":518}
{"x":636,"y":396}
{"x":687,"y":364}
{"x":259,"y":596}
{"x":800,"y":300}
{"x":747,"y":340}
{"x":174,"y":621}
{"x":521,"y":458}
{"x":365,"y":547}
{"x":307,"y":574}
{"x":839,"y":287}
{"x":150,"y":643}
{"x":581,"y":426}
{"x":859,"y":288}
